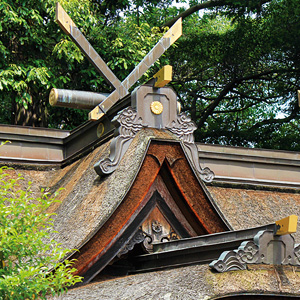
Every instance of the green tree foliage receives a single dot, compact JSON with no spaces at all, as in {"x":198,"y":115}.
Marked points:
{"x":35,"y":56}
{"x":28,"y":66}
{"x":237,"y":73}
{"x":27,"y":254}
{"x":236,"y":67}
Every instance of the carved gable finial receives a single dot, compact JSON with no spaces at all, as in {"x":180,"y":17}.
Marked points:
{"x":165,"y":117}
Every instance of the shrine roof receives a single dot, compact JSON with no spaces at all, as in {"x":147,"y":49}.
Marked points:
{"x":86,"y":194}
{"x":249,"y":206}
{"x":87,"y":202}
{"x":194,"y":282}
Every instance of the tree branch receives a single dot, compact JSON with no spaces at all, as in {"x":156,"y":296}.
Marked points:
{"x":277,"y":121}
{"x":257,"y":99}
{"x":229,"y":87}
{"x":216,"y":102}
{"x":234,"y":110}
{"x":197,"y":7}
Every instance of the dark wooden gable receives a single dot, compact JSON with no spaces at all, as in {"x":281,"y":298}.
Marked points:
{"x":166,"y":197}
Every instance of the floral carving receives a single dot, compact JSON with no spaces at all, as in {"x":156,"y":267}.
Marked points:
{"x":158,"y":234}
{"x":156,"y":227}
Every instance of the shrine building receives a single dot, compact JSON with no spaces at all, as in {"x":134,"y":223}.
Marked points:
{"x":150,"y":213}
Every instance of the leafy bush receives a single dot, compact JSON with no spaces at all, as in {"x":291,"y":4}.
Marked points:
{"x":28,"y":255}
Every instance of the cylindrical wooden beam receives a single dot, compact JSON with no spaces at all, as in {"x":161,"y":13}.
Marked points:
{"x":75,"y":99}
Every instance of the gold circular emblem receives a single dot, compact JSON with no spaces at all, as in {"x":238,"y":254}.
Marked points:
{"x":156,"y":107}
{"x":100,"y":130}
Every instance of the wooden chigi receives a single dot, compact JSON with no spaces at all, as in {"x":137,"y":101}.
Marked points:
{"x":160,"y":216}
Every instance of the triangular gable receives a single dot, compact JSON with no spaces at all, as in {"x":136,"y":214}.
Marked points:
{"x":167,"y":182}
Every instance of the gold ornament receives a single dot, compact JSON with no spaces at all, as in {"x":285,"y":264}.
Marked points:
{"x":53,"y":97}
{"x":156,"y":107}
{"x":100,"y":130}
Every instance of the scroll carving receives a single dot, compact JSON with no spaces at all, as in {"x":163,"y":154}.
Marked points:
{"x":248,"y":252}
{"x":128,"y":124}
{"x":228,"y":261}
{"x":265,"y":248}
{"x":138,"y":238}
{"x":184,"y":129}
{"x":297,"y":253}
{"x":156,"y":236}
{"x":130,"y":121}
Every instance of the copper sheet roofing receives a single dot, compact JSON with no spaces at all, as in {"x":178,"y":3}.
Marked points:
{"x":252,"y":166}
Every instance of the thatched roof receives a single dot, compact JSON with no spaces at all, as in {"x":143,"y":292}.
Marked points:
{"x":193,"y":282}
{"x":88,"y":202}
{"x":246,"y":206}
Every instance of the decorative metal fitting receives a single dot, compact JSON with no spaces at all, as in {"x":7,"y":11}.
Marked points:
{"x":266,"y":248}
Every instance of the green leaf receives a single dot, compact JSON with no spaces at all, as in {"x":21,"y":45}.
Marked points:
{"x":26,"y":249}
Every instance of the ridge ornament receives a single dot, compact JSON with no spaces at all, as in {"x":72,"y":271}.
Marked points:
{"x":121,"y":88}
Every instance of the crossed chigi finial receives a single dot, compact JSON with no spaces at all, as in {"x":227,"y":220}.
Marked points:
{"x":104,"y":102}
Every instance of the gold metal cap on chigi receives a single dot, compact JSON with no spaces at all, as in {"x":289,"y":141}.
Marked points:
{"x":156,"y":107}
{"x":53,"y":96}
